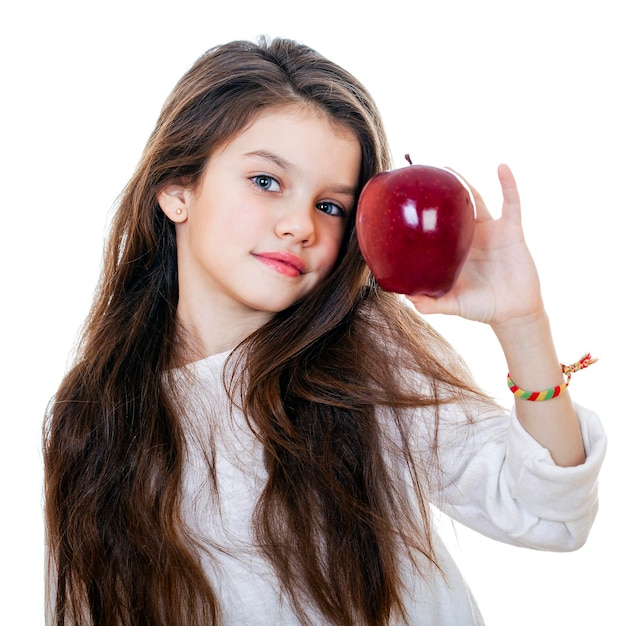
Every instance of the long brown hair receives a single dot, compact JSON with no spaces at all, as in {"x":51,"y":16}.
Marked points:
{"x":330,"y":519}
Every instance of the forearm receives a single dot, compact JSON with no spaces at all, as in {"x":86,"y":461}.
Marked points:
{"x":534,"y":366}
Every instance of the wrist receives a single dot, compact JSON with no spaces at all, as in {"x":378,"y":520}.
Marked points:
{"x":524,"y":331}
{"x":530,"y":352}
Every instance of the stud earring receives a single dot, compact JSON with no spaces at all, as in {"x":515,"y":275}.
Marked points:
{"x":179,"y":211}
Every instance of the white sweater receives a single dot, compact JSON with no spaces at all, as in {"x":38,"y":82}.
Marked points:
{"x":498,"y":481}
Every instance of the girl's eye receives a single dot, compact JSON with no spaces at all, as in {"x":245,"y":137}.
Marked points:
{"x":267,"y":183}
{"x":331,"y":209}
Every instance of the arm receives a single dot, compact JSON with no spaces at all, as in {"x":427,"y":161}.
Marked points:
{"x":499,"y":481}
{"x":499,"y":286}
{"x":533,"y":365}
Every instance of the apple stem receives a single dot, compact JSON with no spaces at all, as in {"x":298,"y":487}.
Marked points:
{"x":408,"y":158}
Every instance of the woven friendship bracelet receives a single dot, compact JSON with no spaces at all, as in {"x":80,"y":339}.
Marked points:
{"x":553,"y":392}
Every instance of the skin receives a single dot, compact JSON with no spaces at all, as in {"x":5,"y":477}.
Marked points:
{"x":499,"y":267}
{"x":262,"y":228}
{"x":259,"y":197}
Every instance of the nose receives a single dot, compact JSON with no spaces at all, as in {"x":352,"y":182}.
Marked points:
{"x":298,"y":223}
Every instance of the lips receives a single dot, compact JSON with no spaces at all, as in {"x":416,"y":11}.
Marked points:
{"x":283,"y":262}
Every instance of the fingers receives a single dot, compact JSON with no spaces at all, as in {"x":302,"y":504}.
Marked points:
{"x":428,"y":305}
{"x":511,"y":205}
{"x":482,"y":213}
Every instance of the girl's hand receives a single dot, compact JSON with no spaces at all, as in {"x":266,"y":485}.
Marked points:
{"x":498,"y":284}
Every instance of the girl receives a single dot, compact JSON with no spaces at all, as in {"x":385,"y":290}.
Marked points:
{"x":253,"y":432}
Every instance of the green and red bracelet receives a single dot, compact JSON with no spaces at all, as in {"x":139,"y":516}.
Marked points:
{"x":553,"y":392}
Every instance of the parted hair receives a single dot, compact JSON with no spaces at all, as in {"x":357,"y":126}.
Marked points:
{"x":311,"y":383}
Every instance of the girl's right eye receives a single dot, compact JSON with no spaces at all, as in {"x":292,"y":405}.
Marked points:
{"x":265,"y":182}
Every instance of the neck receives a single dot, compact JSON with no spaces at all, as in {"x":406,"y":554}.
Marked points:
{"x":209,"y":328}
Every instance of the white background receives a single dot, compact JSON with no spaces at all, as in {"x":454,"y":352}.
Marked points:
{"x":539,"y":85}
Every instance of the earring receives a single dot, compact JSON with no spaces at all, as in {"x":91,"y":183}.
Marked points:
{"x":179,"y":211}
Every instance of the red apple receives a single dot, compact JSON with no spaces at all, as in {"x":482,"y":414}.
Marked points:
{"x":415,"y":226}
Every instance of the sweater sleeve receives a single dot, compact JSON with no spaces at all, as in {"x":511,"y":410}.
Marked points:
{"x":497,"y":480}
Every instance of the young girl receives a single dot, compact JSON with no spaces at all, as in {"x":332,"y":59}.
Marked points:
{"x":254,"y":432}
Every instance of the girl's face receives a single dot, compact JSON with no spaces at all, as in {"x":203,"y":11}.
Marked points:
{"x":264,"y":225}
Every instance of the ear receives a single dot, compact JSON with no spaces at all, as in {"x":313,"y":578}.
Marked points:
{"x":174,"y":202}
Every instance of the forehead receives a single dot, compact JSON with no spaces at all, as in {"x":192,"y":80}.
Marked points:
{"x":292,"y":124}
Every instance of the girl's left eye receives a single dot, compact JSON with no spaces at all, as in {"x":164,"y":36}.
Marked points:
{"x":331,"y":208}
{"x":267,"y":183}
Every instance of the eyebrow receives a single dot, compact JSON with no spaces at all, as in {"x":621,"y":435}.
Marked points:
{"x":270,"y":156}
{"x":283,"y":163}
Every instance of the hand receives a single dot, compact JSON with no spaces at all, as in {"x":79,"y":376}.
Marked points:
{"x":498,"y":284}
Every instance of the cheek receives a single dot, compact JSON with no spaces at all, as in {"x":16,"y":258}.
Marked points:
{"x":224,"y":228}
{"x":332,"y":249}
